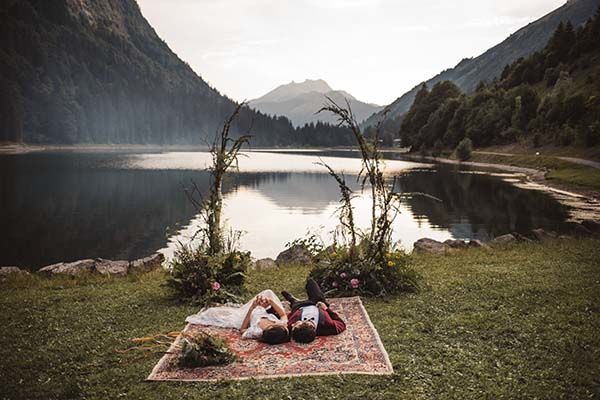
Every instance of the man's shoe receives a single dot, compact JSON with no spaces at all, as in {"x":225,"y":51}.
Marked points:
{"x":289,"y":297}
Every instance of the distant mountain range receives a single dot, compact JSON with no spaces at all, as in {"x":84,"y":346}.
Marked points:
{"x":470,"y":71}
{"x":300,"y":101}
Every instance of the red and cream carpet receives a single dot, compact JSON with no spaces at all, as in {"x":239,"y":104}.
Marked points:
{"x":358,"y":350}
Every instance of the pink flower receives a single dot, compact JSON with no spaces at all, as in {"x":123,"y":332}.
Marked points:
{"x":334,"y":284}
{"x":354,"y":283}
{"x":343,"y":275}
{"x":216,"y":286}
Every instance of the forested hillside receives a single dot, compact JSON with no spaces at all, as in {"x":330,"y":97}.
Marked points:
{"x":94,"y":71}
{"x":470,"y":71}
{"x":550,"y":97}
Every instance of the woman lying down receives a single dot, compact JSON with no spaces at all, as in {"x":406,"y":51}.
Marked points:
{"x":262,"y":318}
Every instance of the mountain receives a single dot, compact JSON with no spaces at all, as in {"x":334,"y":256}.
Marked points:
{"x":470,"y":71}
{"x":95,"y":71}
{"x":551,"y":97}
{"x":300,"y":101}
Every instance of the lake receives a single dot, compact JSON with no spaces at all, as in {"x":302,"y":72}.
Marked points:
{"x":64,"y":206}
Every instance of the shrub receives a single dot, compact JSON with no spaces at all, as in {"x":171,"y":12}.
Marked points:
{"x":464,"y":149}
{"x":564,"y":136}
{"x":207,"y":279}
{"x":202,"y":350}
{"x":338,"y":275}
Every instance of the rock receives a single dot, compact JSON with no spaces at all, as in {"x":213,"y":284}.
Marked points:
{"x":426,"y":245}
{"x":580,"y":231}
{"x":109,"y":267}
{"x":6,"y":271}
{"x":520,"y":237}
{"x":503,"y":240}
{"x":456,"y":243}
{"x":591,"y":225}
{"x":265,"y":264}
{"x":540,"y":234}
{"x":147,"y":264}
{"x":477,"y":244}
{"x":72,"y":269}
{"x":297,"y":254}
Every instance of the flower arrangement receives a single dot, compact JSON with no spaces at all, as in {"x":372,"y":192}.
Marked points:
{"x":208,"y":279}
{"x":340,"y":275}
{"x":202,"y":350}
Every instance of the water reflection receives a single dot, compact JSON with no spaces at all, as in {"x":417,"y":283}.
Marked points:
{"x":67,"y":206}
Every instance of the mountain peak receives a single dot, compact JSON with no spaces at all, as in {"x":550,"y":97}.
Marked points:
{"x":299,"y":101}
{"x":293,"y":89}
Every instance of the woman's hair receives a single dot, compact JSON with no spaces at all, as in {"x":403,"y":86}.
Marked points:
{"x":275,"y":334}
{"x":304,"y":333}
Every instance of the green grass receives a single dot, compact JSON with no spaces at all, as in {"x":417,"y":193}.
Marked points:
{"x":517,"y":323}
{"x":559,"y":170}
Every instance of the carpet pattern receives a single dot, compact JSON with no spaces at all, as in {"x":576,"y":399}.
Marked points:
{"x":358,"y":350}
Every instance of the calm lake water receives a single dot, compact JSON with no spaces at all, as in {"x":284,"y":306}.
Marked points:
{"x":63,"y":206}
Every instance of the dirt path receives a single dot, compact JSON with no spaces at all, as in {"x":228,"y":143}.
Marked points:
{"x":580,"y":161}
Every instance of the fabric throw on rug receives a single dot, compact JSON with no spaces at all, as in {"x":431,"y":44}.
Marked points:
{"x":358,"y":350}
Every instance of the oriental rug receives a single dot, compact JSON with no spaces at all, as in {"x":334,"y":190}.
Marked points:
{"x":357,"y":350}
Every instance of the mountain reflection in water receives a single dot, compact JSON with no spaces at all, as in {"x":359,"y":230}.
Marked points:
{"x":67,"y":206}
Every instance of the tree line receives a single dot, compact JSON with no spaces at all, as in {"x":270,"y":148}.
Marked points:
{"x":66,"y":78}
{"x":550,"y":97}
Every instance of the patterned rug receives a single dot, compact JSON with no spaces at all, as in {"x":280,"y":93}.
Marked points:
{"x":358,"y":350}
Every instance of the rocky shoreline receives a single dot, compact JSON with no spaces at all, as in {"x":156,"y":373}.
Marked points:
{"x":98,"y":266}
{"x":298,"y":254}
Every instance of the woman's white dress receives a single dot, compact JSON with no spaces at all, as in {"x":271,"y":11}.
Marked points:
{"x":232,"y":316}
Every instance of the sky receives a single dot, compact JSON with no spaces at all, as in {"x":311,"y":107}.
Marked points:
{"x":374,"y":49}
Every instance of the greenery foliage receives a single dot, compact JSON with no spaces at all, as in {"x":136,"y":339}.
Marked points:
{"x":550,"y":97}
{"x":464,"y":149}
{"x":364,"y":255}
{"x":202,"y":350}
{"x":341,"y":274}
{"x":213,"y":271}
{"x":206,"y":279}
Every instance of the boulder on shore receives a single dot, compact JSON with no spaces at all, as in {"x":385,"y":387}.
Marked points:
{"x":503,"y":240}
{"x":456,"y":243}
{"x":72,"y":268}
{"x":6,"y":271}
{"x":147,"y":264}
{"x":475,"y":243}
{"x":297,"y":254}
{"x":110,"y":267}
{"x":541,"y":235}
{"x":426,"y":245}
{"x":591,"y":225}
{"x":264,"y":264}
{"x":521,"y":238}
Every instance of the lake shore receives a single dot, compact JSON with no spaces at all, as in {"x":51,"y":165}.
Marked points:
{"x":21,"y":148}
{"x":520,"y":324}
{"x":584,"y":201}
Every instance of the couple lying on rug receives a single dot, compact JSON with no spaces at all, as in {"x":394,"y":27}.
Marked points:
{"x":264,"y":318}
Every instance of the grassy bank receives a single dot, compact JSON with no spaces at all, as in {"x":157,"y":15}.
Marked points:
{"x":560,"y":171}
{"x":522,"y":323}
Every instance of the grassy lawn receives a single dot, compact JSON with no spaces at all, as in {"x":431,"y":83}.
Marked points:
{"x":558,"y":170}
{"x":517,"y":323}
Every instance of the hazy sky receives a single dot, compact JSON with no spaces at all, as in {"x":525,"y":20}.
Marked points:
{"x":374,"y":49}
